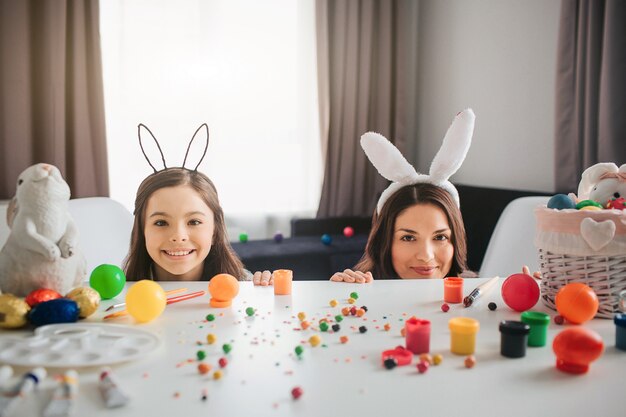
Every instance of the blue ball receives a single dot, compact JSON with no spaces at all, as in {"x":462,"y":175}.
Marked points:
{"x":60,"y":310}
{"x":278,"y":237}
{"x":561,"y":202}
{"x":326,"y":239}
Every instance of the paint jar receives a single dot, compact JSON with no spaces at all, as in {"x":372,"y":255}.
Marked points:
{"x":463,"y":332}
{"x":513,"y":338}
{"x":620,"y":331}
{"x":453,"y":290}
{"x":282,"y":281}
{"x":417,"y":335}
{"x":538,"y":323}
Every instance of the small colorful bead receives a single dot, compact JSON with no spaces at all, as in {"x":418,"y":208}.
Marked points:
{"x":210,"y":317}
{"x":250,"y":311}
{"x":390,"y":363}
{"x":558,"y":319}
{"x":333,"y":303}
{"x":227,"y":348}
{"x":323,"y":326}
{"x":470,"y":361}
{"x":345,"y":311}
{"x":296,"y":393}
{"x":336,"y":327}
{"x":223,"y":362}
{"x":437,"y":359}
{"x":360,"y":312}
{"x":338,"y":318}
{"x":427,"y":358}
{"x":315,"y":340}
{"x":363,"y":329}
{"x":351,"y":300}
{"x":492,"y":306}
{"x":305,"y":325}
{"x":344,"y":339}
{"x":403,"y":332}
{"x":354,"y":295}
{"x":201,"y":354}
{"x":299,"y":349}
{"x":211,"y":338}
{"x":353,"y":311}
{"x":301,"y":316}
{"x":445,"y":307}
{"x":204,"y":368}
{"x":422,"y":366}
{"x":217,"y":375}
{"x":387,"y":327}
{"x":364,"y":308}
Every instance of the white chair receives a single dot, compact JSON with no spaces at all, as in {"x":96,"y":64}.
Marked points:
{"x":104,"y":228}
{"x":512,"y":242}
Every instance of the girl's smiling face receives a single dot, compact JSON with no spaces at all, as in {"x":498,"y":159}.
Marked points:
{"x":422,"y":246}
{"x":178,"y":230}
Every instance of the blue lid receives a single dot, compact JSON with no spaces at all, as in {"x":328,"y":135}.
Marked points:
{"x":620,"y":320}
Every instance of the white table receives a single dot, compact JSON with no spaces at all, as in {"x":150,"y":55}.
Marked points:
{"x":346,"y":379}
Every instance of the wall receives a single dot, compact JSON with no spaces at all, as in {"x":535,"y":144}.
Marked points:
{"x":498,"y":57}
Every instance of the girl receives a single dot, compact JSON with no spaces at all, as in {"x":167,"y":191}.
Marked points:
{"x":417,"y":228}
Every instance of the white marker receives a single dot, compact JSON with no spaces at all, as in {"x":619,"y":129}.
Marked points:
{"x":111,"y":393}
{"x":64,"y":397}
{"x":12,"y":398}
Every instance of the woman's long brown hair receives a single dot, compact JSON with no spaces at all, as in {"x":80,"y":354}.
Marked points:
{"x":377,"y":256}
{"x":221,"y":257}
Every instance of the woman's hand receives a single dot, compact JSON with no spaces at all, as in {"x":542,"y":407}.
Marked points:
{"x":263,"y":279}
{"x":536,"y":274}
{"x":351,"y":276}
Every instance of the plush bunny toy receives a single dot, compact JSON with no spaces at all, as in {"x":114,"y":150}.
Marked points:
{"x":41,"y":251}
{"x":392,"y":165}
{"x":603,"y":182}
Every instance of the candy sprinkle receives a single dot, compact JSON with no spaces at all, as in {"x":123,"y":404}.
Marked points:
{"x":470,"y":361}
{"x":296,"y":393}
{"x":250,"y":311}
{"x":354,"y":295}
{"x":315,"y":340}
{"x":211,"y":338}
{"x":210,"y":317}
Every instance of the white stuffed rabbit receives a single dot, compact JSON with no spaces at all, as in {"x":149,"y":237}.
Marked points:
{"x":41,"y":251}
{"x":603,"y":182}
{"x":392,"y":165}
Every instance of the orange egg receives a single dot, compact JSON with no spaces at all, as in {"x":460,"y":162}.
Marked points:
{"x":577,"y":302}
{"x":223,"y":288}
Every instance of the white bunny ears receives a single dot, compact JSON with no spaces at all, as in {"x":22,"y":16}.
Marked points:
{"x":592,"y":176}
{"x":390,"y":163}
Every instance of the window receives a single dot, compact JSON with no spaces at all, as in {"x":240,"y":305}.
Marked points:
{"x":246,"y":68}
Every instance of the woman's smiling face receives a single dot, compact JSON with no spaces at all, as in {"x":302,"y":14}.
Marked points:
{"x":422,"y":246}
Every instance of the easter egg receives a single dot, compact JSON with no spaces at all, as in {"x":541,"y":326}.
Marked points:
{"x":587,"y":203}
{"x":348,"y":231}
{"x":326,"y":239}
{"x":61,"y":310}
{"x":108,"y":280}
{"x":39,"y":296}
{"x":13,"y":311}
{"x":87,"y":299}
{"x":145,"y":301}
{"x":576,"y":348}
{"x":577,"y":302}
{"x":223,"y":288}
{"x":561,"y":202}
{"x":520,"y":292}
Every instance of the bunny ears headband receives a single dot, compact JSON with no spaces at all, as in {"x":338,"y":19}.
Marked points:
{"x":206,"y":146}
{"x":390,"y":163}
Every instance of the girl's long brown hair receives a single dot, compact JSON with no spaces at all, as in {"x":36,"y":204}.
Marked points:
{"x":221,"y":257}
{"x":377,"y":256}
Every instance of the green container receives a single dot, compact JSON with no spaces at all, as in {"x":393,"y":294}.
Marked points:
{"x":538,"y":323}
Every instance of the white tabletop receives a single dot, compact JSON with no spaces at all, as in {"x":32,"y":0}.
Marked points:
{"x":344,"y":379}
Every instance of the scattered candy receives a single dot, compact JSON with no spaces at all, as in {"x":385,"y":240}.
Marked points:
{"x":210,"y":317}
{"x":323,"y":326}
{"x":201,"y":354}
{"x":348,"y":231}
{"x":296,"y":393}
{"x":559,"y":320}
{"x":336,"y":327}
{"x":204,"y":368}
{"x":362,"y":329}
{"x":422,"y":366}
{"x":427,"y":358}
{"x":492,"y":306}
{"x":387,"y":327}
{"x":243,"y":237}
{"x":278,"y":237}
{"x":222,"y":362}
{"x":354,"y":295}
{"x":390,"y":363}
{"x":470,"y":361}
{"x":445,"y":307}
{"x":344,"y":339}
{"x":338,"y":318}
{"x":351,"y":300}
{"x":217,"y":375}
{"x":315,"y":340}
{"x":327,"y":240}
{"x":345,"y":311}
{"x":299,"y":349}
{"x":301,"y":316}
{"x":437,"y":359}
{"x":227,"y":348}
{"x":210,"y":338}
{"x":333,"y":303}
{"x":305,"y":325}
{"x":360,"y":312}
{"x":250,"y":311}
{"x":403,"y":332}
{"x":353,"y":311}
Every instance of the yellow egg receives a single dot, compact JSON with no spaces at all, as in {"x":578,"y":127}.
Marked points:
{"x":591,"y":208}
{"x":13,"y":311}
{"x":87,"y":299}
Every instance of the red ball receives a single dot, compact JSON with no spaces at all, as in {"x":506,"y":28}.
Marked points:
{"x":223,"y":362}
{"x":296,"y":393}
{"x":348,"y":231}
{"x":445,"y":307}
{"x":520,"y":292}
{"x":41,"y":295}
{"x":577,"y":302}
{"x":422,"y":366}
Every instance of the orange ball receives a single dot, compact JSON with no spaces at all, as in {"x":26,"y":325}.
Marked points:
{"x":577,"y":302}
{"x":223,"y":288}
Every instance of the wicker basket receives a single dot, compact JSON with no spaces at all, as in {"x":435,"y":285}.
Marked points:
{"x":581,"y":246}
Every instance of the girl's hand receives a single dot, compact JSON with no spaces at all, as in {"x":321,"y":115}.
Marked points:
{"x":536,"y":274}
{"x":351,"y":276}
{"x":263,"y":279}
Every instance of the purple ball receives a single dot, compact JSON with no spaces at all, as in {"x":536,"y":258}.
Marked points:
{"x":278,"y":237}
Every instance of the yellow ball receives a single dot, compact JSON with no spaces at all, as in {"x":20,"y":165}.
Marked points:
{"x":145,"y":301}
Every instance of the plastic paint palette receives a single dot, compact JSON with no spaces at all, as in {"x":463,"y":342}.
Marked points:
{"x":77,"y":345}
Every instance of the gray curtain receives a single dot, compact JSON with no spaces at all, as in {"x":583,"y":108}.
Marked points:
{"x":364,"y":49}
{"x":591,"y":88}
{"x":51,"y":98}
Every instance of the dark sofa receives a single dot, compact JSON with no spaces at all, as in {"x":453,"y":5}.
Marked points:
{"x":310,"y":259}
